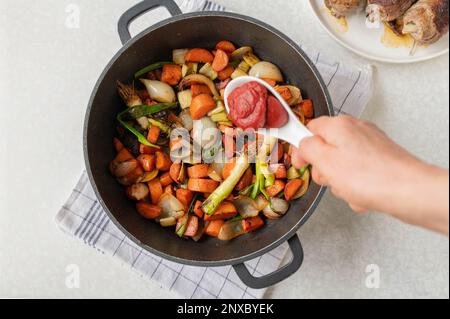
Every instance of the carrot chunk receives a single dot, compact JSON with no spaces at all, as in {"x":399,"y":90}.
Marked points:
{"x":220,"y":60}
{"x":199,"y":56}
{"x":174,"y":171}
{"x":291,"y":188}
{"x":153,"y":134}
{"x":165,"y":179}
{"x":191,"y":226}
{"x":202,"y":185}
{"x":163,"y":161}
{"x":225,"y":73}
{"x":226,"y":210}
{"x":285,"y":93}
{"x":144,"y":149}
{"x":156,"y":190}
{"x":147,"y":210}
{"x":201,"y":105}
{"x":271,"y":82}
{"x":307,"y":108}
{"x":198,"y":209}
{"x":213,"y":228}
{"x":245,"y":180}
{"x":276,"y":188}
{"x":171,"y":74}
{"x":198,"y":171}
{"x":123,"y":155}
{"x":184,"y":196}
{"x":226,"y":46}
{"x":147,"y":162}
{"x":279,"y":170}
{"x":253,"y":223}
{"x":197,"y":89}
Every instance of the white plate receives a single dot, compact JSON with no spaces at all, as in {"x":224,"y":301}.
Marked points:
{"x":367,"y":42}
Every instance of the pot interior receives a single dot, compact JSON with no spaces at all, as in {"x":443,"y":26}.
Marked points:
{"x":201,"y":30}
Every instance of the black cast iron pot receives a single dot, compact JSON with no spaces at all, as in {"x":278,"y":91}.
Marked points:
{"x":156,"y":43}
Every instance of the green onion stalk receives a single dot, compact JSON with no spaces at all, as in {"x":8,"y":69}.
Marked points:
{"x":140,"y":111}
{"x":264,"y":177}
{"x":182,"y":229}
{"x":211,"y":204}
{"x":151,"y":67}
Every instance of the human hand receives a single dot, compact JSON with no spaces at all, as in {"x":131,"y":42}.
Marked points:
{"x":368,"y":170}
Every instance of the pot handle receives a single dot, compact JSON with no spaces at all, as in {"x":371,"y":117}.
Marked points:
{"x":278,"y":275}
{"x":139,"y":9}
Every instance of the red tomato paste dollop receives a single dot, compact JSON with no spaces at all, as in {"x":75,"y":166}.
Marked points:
{"x":251,"y":106}
{"x":248,"y":105}
{"x":276,"y":115}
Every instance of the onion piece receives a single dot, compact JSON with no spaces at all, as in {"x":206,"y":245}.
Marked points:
{"x":239,"y":53}
{"x":148,"y":176}
{"x":182,"y":174}
{"x":124,"y":168}
{"x":304,"y":188}
{"x":219,"y":162}
{"x":293,"y":173}
{"x":246,"y":206}
{"x":205,"y":132}
{"x":159,"y":91}
{"x":186,"y":118}
{"x":266,"y":70}
{"x":231,"y":230}
{"x":178,"y":55}
{"x":137,"y":191}
{"x":269,"y":213}
{"x":199,"y":78}
{"x":200,"y":230}
{"x":168,"y":221}
{"x":214,"y":175}
{"x":170,"y":206}
{"x":185,"y":98}
{"x":261,"y":202}
{"x":279,"y":205}
{"x":296,"y":95}
{"x":208,"y":71}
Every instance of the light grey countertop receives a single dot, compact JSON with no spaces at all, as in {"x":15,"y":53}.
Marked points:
{"x":48,"y":72}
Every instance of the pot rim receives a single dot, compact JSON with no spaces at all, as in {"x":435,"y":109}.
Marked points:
{"x":124,"y":48}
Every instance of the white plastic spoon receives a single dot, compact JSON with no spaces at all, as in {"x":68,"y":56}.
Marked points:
{"x":292,"y":132}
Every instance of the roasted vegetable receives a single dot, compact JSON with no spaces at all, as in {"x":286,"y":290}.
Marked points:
{"x":225,"y":189}
{"x":188,"y":69}
{"x":208,"y":71}
{"x":150,"y":68}
{"x":179,"y":55}
{"x":159,"y":91}
{"x":266,"y":70}
{"x":200,"y":78}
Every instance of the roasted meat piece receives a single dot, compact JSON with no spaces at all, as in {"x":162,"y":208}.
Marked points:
{"x":386,"y":10}
{"x":340,"y":8}
{"x":427,"y":21}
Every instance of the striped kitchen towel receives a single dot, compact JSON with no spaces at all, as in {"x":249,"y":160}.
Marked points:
{"x":83,"y":217}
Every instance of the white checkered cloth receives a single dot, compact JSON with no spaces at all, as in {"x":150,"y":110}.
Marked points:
{"x":83,"y":217}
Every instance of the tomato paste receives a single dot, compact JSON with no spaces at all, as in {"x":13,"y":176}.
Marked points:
{"x":276,"y":115}
{"x":252,"y":106}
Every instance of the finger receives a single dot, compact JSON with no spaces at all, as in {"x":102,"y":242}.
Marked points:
{"x":318,"y":126}
{"x":313,"y":150}
{"x":331,"y":129}
{"x":357,"y":209}
{"x":297,"y":159}
{"x":318,"y":178}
